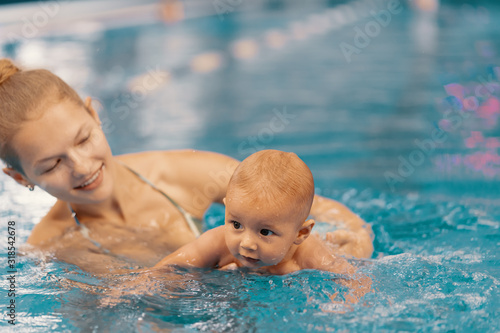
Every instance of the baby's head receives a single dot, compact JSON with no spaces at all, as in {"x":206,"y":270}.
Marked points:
{"x":277,"y":179}
{"x":24,"y":95}
{"x":267,"y":202}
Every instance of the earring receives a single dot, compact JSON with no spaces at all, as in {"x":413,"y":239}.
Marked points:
{"x":31,"y":187}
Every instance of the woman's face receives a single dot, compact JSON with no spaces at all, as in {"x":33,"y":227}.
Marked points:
{"x":66,"y":153}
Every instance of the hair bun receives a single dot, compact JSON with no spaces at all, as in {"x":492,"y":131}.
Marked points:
{"x":7,"y":69}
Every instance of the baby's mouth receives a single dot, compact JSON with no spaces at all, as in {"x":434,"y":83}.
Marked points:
{"x":250,"y":260}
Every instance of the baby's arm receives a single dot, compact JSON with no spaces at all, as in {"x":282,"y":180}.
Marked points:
{"x":204,"y":252}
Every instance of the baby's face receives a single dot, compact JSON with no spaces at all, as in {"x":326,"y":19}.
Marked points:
{"x":259,"y":234}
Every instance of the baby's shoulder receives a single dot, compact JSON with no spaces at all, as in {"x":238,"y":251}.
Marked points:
{"x":214,"y":236}
{"x":313,"y":253}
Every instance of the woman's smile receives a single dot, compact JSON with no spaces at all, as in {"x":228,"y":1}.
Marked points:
{"x":93,"y":182}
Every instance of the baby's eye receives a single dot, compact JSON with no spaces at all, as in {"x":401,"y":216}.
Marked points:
{"x":236,"y":225}
{"x":266,"y":232}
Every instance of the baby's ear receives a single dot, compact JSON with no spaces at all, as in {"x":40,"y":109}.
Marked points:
{"x":304,"y":231}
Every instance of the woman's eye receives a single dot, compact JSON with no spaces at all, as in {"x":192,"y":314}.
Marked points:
{"x":52,"y":167}
{"x":85,"y":139}
{"x":236,"y":225}
{"x":266,"y":232}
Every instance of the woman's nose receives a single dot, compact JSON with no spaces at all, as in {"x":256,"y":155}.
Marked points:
{"x":81,"y":164}
{"x":248,"y":243}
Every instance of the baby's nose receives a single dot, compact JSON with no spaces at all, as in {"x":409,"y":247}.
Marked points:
{"x":248,"y":244}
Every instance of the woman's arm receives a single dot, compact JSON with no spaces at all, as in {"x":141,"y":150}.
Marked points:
{"x":358,"y":284}
{"x":195,"y":179}
{"x":204,"y":176}
{"x":54,"y":224}
{"x":207,"y":175}
{"x":315,"y":254}
{"x":355,"y":238}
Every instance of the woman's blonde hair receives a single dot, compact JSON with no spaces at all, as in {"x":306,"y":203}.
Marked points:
{"x":23,"y":96}
{"x":277,"y":177}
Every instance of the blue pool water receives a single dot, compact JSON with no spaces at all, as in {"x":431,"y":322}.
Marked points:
{"x":406,"y":134}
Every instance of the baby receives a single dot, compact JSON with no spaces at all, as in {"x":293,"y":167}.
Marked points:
{"x":266,"y":227}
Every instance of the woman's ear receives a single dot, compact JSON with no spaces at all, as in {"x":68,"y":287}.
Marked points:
{"x":304,"y":231}
{"x":17,"y":176}
{"x":92,"y":111}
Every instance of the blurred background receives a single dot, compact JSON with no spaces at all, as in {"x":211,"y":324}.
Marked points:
{"x":394,"y":96}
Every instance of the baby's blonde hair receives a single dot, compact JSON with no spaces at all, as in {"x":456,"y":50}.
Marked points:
{"x":277,"y":177}
{"x":23,"y":96}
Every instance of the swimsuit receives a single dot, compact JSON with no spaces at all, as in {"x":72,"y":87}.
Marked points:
{"x":193,"y":222}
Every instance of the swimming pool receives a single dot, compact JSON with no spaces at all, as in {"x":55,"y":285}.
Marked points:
{"x":405,"y":134}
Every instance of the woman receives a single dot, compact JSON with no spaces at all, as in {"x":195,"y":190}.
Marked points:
{"x":116,"y":211}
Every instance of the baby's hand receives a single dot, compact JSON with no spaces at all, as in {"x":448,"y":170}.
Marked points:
{"x":350,"y":243}
{"x":229,"y":267}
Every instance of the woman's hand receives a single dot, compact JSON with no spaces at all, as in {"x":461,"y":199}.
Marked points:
{"x":354,"y":237}
{"x":349,"y":243}
{"x":165,"y":281}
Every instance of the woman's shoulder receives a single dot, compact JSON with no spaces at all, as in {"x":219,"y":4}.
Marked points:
{"x":177,"y":162}
{"x":52,"y":225}
{"x":172,"y":155}
{"x":148,"y":158}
